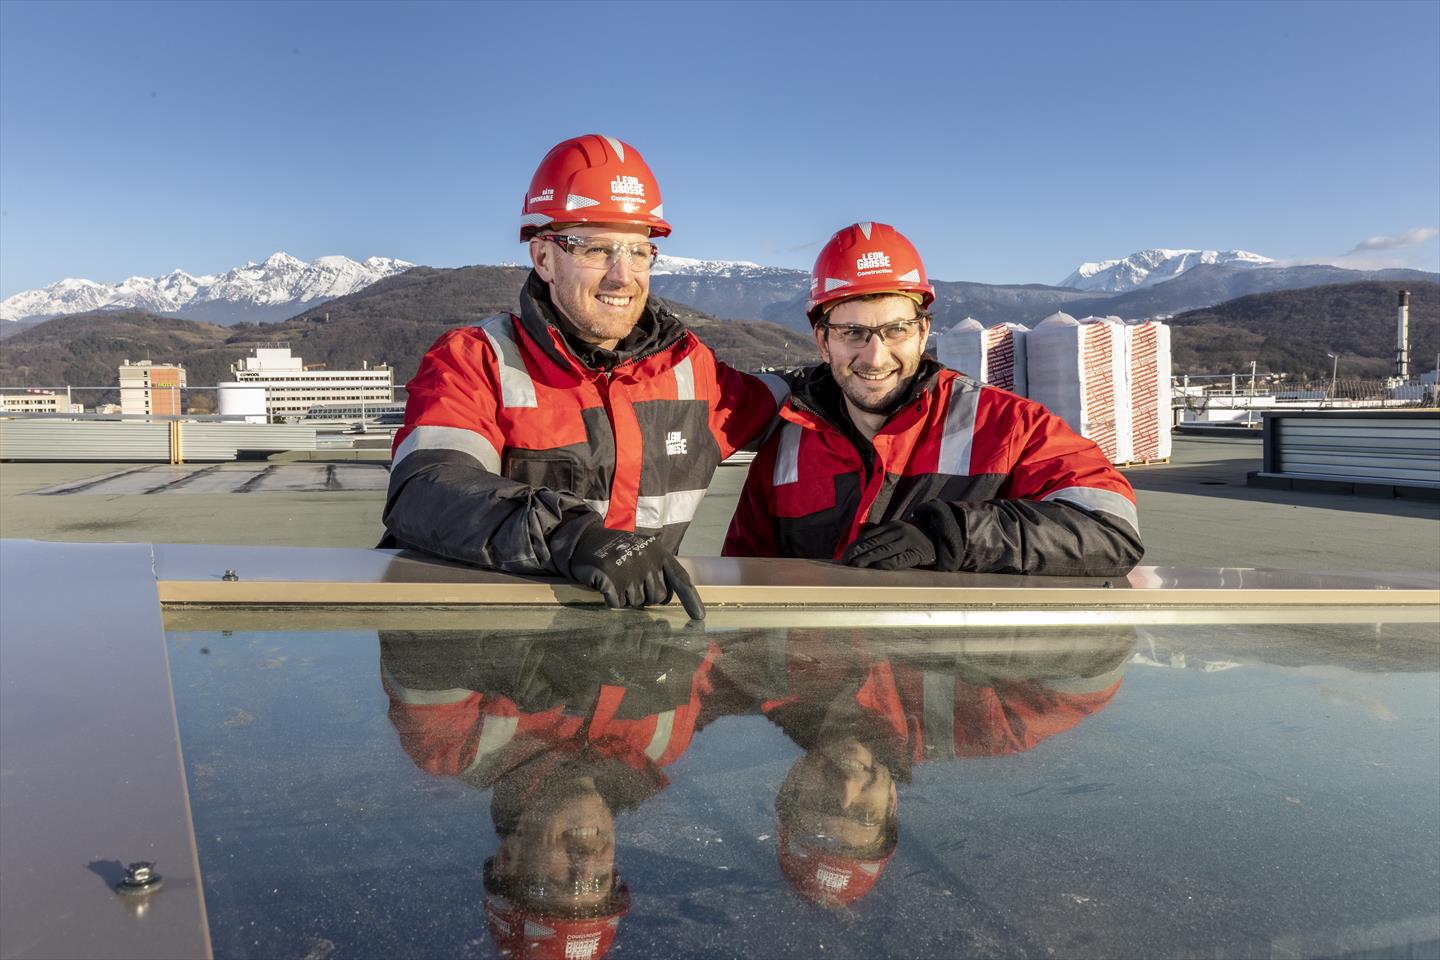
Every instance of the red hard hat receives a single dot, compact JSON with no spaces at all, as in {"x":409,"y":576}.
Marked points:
{"x":593,"y":179}
{"x":866,"y":258}
{"x":825,"y":877}
{"x":523,"y":934}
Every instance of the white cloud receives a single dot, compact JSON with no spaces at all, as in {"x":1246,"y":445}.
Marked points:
{"x":1410,"y":238}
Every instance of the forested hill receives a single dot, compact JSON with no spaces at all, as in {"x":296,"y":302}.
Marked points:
{"x":1293,"y":330}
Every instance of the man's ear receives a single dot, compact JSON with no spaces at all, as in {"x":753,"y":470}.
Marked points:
{"x":542,"y":258}
{"x":821,"y":343}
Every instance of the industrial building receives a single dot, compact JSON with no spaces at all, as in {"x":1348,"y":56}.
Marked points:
{"x":38,"y":401}
{"x":291,"y":389}
{"x":151,"y":389}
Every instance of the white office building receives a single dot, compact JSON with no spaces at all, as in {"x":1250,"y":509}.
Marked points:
{"x":291,"y":389}
{"x":38,"y":401}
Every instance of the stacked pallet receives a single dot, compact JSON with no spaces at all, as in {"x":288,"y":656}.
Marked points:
{"x":995,"y":355}
{"x":1078,"y":370}
{"x":1147,"y":358}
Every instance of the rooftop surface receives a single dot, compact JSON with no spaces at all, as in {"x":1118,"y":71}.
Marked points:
{"x":1196,"y":511}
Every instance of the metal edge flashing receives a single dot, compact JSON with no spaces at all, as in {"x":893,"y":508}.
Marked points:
{"x":104,"y":783}
{"x":526,"y":593}
{"x":202,"y":617}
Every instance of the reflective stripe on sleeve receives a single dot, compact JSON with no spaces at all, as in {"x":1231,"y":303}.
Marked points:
{"x":449,"y":438}
{"x":601,"y":507}
{"x":676,"y":507}
{"x":497,"y":732}
{"x":516,"y":387}
{"x":423,"y":698}
{"x":1099,"y":501}
{"x":939,"y":713}
{"x":664,"y":726}
{"x":787,"y":458}
{"x":779,"y":388}
{"x":959,"y":435}
{"x":684,"y":380}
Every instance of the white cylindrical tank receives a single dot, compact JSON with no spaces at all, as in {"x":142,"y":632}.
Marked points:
{"x":241,"y":400}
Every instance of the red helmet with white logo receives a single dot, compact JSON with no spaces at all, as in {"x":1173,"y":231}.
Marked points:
{"x":828,"y":878}
{"x":593,"y":179}
{"x":525,"y":934}
{"x":866,"y":258}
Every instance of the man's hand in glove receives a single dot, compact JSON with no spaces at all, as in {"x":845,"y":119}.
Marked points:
{"x":632,"y":570}
{"x":891,"y":546}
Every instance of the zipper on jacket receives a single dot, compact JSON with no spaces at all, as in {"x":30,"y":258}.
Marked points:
{"x":866,"y":452}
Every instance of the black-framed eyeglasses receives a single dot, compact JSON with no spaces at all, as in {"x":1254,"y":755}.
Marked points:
{"x":891,"y":334}
{"x":600,"y":254}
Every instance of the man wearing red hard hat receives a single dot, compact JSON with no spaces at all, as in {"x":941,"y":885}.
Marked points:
{"x":577,"y":437}
{"x":886,"y":459}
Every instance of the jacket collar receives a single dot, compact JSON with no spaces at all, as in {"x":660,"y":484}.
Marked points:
{"x":656,"y":330}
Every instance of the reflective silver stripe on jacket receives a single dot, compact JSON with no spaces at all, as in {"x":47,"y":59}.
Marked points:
{"x":516,"y":387}
{"x":423,"y":697}
{"x":778,"y":386}
{"x":449,"y":438}
{"x":676,"y":507}
{"x":1099,"y":501}
{"x":939,"y":713}
{"x":664,"y":727}
{"x":495,"y":734}
{"x":601,"y":507}
{"x":684,"y":380}
{"x":959,"y":436}
{"x":787,"y":458}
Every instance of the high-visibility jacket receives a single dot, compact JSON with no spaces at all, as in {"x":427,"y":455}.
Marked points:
{"x":481,"y":735}
{"x":945,"y":714}
{"x":997,"y":481}
{"x":512,"y":446}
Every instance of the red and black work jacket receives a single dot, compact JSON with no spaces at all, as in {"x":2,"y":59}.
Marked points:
{"x":944,"y":714}
{"x":513,"y":446}
{"x":479,"y":736}
{"x":999,"y":483}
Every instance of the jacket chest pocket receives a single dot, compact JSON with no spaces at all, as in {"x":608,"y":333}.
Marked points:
{"x":553,"y":469}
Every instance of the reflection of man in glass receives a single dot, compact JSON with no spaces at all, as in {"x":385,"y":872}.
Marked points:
{"x":552,"y":888}
{"x":864,"y":721}
{"x":567,"y":728}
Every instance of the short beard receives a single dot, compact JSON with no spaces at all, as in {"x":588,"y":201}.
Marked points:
{"x":885,"y":405}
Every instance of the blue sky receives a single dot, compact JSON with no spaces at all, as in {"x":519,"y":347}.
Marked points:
{"x":1010,"y":142}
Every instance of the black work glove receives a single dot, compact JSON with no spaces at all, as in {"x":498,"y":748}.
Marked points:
{"x":891,"y":546}
{"x":632,"y":570}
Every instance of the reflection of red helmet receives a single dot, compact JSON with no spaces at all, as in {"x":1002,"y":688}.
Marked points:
{"x":523,"y":934}
{"x":866,"y":258}
{"x":593,"y":179}
{"x":833,"y":879}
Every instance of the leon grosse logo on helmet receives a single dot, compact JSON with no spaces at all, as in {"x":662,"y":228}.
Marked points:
{"x":626,"y":187}
{"x":877,"y":261}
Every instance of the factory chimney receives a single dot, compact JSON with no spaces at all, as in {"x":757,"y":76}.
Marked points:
{"x":1402,"y":337}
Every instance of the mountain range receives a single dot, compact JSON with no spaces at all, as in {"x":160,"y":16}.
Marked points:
{"x":1150,"y":283}
{"x":275,"y":289}
{"x":1149,"y":267}
{"x":395,"y":319}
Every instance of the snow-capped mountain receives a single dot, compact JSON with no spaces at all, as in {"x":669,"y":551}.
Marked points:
{"x":666,"y":266}
{"x":280,"y":286}
{"x":1149,"y":267}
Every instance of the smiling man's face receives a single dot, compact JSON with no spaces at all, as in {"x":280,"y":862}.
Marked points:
{"x":601,"y":305}
{"x":874,"y":375}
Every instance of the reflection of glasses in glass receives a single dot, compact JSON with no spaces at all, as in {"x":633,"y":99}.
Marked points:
{"x":574,"y":885}
{"x":891,"y":334}
{"x":601,"y":254}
